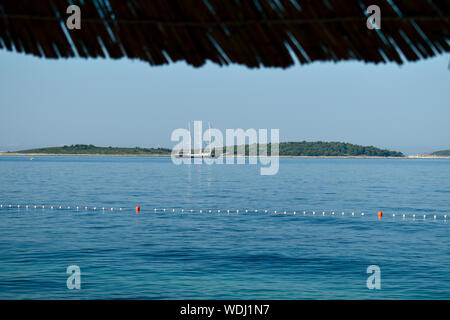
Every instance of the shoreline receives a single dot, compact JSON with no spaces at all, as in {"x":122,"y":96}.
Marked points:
{"x":168,"y":156}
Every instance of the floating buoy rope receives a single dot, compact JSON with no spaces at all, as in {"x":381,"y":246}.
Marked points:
{"x":138,"y":209}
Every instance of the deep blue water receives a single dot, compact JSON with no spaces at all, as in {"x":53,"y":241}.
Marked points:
{"x":166,"y":255}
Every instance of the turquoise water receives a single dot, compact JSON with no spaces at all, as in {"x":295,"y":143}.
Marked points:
{"x":175,"y":255}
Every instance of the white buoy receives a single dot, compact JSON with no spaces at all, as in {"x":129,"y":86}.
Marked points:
{"x":362,"y":213}
{"x":353,"y":213}
{"x":295,"y":212}
{"x":343,"y":213}
{"x":314,"y":212}
{"x":200,"y":211}
{"x":120,"y":209}
{"x":218,"y":211}
{"x":275,"y":211}
{"x":304,"y":212}
{"x":332,"y":213}
{"x":246,"y":211}
{"x":435,"y":217}
{"x":173,"y":210}
{"x":393,"y":214}
{"x":323,"y":213}
{"x":112,"y":209}
{"x":51,"y":207}
{"x":237,"y":211}
{"x":256,"y":211}
{"x":265,"y":211}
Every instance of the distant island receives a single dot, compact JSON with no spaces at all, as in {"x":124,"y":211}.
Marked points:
{"x":294,"y":149}
{"x":327,"y":149}
{"x":436,"y":154}
{"x":442,"y":153}
{"x":89,"y":149}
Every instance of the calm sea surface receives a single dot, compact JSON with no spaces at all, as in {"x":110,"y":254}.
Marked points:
{"x":168,"y":255}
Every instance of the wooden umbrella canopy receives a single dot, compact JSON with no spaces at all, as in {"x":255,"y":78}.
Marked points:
{"x":254,"y":33}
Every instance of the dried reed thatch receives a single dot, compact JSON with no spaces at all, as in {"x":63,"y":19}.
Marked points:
{"x":255,"y":33}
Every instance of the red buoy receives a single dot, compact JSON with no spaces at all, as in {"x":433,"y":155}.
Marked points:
{"x":380,"y":214}
{"x":138,"y":208}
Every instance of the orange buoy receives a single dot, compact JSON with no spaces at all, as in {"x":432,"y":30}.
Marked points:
{"x":138,"y":208}
{"x":380,"y":214}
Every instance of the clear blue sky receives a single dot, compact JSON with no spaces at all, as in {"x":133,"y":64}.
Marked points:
{"x":129,"y":103}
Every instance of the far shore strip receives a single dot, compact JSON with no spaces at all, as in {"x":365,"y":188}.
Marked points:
{"x":169,"y":155}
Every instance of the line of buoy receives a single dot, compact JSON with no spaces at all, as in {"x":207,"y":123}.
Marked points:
{"x":77,"y":208}
{"x":228,"y":211}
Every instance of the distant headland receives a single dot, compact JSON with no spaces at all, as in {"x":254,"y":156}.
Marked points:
{"x":286,"y":149}
{"x":89,"y":149}
{"x":433,"y":155}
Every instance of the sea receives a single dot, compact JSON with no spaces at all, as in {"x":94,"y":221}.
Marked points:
{"x":312,"y":231}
